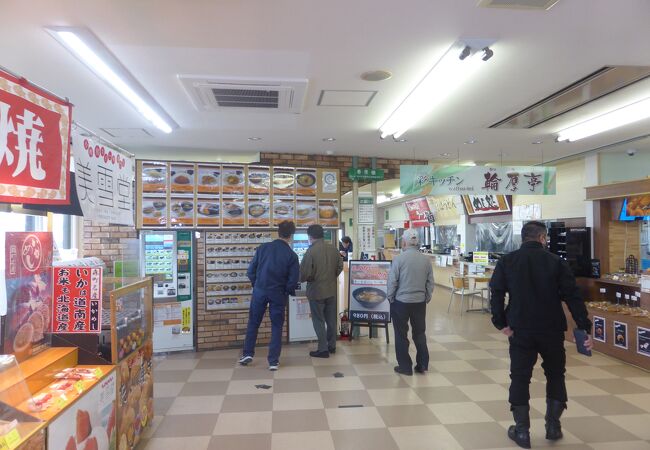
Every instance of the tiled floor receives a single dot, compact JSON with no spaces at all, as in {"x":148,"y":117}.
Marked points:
{"x":205,"y":401}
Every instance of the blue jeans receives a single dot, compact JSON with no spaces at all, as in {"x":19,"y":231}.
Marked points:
{"x":277,"y":305}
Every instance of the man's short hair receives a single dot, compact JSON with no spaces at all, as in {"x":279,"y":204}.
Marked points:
{"x":532,"y":231}
{"x":315,"y":232}
{"x":411,"y":237}
{"x":286,"y":229}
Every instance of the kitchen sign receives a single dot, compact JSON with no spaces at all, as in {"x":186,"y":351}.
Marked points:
{"x":520,"y":180}
{"x":366,"y":174}
{"x":34,"y":144}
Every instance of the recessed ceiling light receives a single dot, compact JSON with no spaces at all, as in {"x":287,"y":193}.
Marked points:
{"x":329,"y":152}
{"x":329,"y":139}
{"x":376,"y":75}
{"x":445,"y":155}
{"x":471,"y":141}
{"x":254,"y":138}
{"x":537,"y":142}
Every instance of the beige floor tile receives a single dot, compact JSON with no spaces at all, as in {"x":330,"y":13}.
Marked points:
{"x":643,"y":381}
{"x":295,"y":385}
{"x":188,"y":425}
{"x":489,"y":364}
{"x":446,"y":338}
{"x":574,"y":408}
{"x":292,"y":361}
{"x":162,"y":404}
{"x":500,"y":353}
{"x":472,"y":354}
{"x":407,"y":415}
{"x":333,"y":360}
{"x":335,"y":399}
{"x":317,"y":440}
{"x":240,"y":442}
{"x":357,"y":348}
{"x":480,"y":435}
{"x":466,"y":378}
{"x":640,"y":400}
{"x":214,"y":363}
{"x":466,"y":345}
{"x":466,"y":412}
{"x":435,"y":347}
{"x":297,"y":421}
{"x":608,"y":405}
{"x":244,"y":423}
{"x":599,"y":359}
{"x":196,"y":405}
{"x":329,"y":371}
{"x":247,"y":403}
{"x":624,"y":370}
{"x":252,"y":373}
{"x":354,"y":418}
{"x":424,"y":437}
{"x":340,"y":384}
{"x":177,"y":364}
{"x":498,"y":376}
{"x":445,"y":355}
{"x":206,"y":375}
{"x":368,"y":359}
{"x":373,"y":369}
{"x":629,"y":445}
{"x":596,"y":429}
{"x":297,"y":400}
{"x":619,"y":386}
{"x":174,"y":443}
{"x":484,"y":392}
{"x":589,"y":373}
{"x":492,"y":345}
{"x":151,"y":430}
{"x":430,"y":379}
{"x":295,"y":372}
{"x":232,"y":354}
{"x":387,"y":397}
{"x":167,"y":389}
{"x":392,"y":381}
{"x":364,"y":439}
{"x":204,"y":388}
{"x":499,"y":410}
{"x":454,"y":365}
{"x":637,"y":424}
{"x":172,"y":376}
{"x":443,"y":394}
{"x":248,"y":387}
{"x":580,"y":388}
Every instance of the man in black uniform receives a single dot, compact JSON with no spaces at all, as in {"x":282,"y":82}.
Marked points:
{"x":537,"y":282}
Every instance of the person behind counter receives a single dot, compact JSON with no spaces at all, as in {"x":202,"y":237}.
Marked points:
{"x":274,"y":273}
{"x":537,"y":281}
{"x":320,"y":268}
{"x":345,"y":247}
{"x":410,"y":286}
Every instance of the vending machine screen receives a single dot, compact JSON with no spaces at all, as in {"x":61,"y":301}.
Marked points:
{"x":159,"y":256}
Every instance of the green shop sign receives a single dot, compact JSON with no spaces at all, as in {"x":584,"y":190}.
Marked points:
{"x":366,"y":174}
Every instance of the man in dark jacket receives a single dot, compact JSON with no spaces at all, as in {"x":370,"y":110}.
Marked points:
{"x":274,"y":273}
{"x":537,"y":282}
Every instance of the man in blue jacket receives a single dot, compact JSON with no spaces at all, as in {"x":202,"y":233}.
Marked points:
{"x":274,"y":273}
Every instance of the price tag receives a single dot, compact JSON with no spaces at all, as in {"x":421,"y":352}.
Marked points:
{"x":61,"y":401}
{"x":98,"y":372}
{"x":603,"y":290}
{"x":79,"y":386}
{"x":638,"y":294}
{"x":12,"y":439}
{"x":627,"y":296}
{"x":618,"y":295}
{"x":3,"y":444}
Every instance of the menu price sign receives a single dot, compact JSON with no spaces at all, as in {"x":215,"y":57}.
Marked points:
{"x":77,"y":300}
{"x":366,"y":210}
{"x":600,"y":329}
{"x":643,"y":341}
{"x":481,"y":258}
{"x":620,"y":334}
{"x":367,"y":293}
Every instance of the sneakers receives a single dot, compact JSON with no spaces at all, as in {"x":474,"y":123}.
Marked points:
{"x":274,"y":367}
{"x":245,"y":360}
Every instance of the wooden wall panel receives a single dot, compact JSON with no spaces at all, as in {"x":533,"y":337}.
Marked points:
{"x":623,"y":241}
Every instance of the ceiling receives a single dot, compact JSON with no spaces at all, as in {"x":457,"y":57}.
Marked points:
{"x":331,"y":44}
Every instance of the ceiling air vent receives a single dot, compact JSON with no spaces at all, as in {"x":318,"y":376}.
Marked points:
{"x":518,"y":4}
{"x":268,"y":94}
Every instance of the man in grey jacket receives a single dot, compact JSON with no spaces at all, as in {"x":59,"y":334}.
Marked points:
{"x":320,"y":268}
{"x":410,"y":285}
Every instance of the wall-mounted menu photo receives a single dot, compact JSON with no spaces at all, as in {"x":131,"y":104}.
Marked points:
{"x":208,"y":179}
{"x":259,"y":214}
{"x":154,"y":177}
{"x":207,"y":212}
{"x":154,"y":211}
{"x":306,"y":212}
{"x":232,"y":180}
{"x":182,"y":178}
{"x":306,"y":182}
{"x":284,"y":181}
{"x":181,"y":212}
{"x":329,"y":182}
{"x":259,"y":180}
{"x":233,"y":212}
{"x":620,"y":334}
{"x":227,"y":302}
{"x":328,"y":213}
{"x":283,"y":209}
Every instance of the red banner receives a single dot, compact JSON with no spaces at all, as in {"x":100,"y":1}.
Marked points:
{"x":77,"y":300}
{"x":28,"y":266}
{"x":34,"y":144}
{"x":419,"y":213}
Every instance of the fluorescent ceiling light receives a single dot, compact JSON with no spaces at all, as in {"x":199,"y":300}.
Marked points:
{"x":90,"y":51}
{"x":439,"y":83}
{"x":613,"y":119}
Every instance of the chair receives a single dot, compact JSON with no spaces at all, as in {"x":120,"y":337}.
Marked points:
{"x":460,"y":286}
{"x":482,"y":285}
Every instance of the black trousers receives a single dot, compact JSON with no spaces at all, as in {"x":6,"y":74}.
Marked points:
{"x":401,"y":314}
{"x":524,"y":348}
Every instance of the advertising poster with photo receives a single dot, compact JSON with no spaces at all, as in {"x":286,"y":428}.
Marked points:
{"x":77,"y":300}
{"x":90,"y":422}
{"x":233,"y":212}
{"x":259,"y":214}
{"x":208,"y":179}
{"x":29,"y":278}
{"x":154,"y":211}
{"x":232,"y":180}
{"x":306,"y":184}
{"x":620,"y":334}
{"x":207,"y":212}
{"x":600,"y":329}
{"x":259,"y":180}
{"x":182,"y":178}
{"x":643,"y":341}
{"x":181,"y":211}
{"x":367,"y":293}
{"x":282,"y":210}
{"x":154,"y":178}
{"x":328,"y":213}
{"x":418,"y":212}
{"x":284,"y":182}
{"x":306,"y":212}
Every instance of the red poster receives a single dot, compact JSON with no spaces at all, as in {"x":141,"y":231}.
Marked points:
{"x":77,"y":300}
{"x":28,"y":265}
{"x":419,"y":213}
{"x":34,"y":144}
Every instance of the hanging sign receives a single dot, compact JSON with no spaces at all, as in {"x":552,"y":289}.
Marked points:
{"x":365,"y":174}
{"x":77,"y":300}
{"x":444,"y":207}
{"x":104,"y":179}
{"x":485,"y":204}
{"x":419,"y":213}
{"x":520,"y":180}
{"x":34,"y":144}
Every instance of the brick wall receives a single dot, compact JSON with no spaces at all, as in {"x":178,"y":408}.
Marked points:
{"x":343,"y":163}
{"x":110,"y":243}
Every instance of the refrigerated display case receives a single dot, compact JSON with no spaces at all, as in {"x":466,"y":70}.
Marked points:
{"x":300,"y":325}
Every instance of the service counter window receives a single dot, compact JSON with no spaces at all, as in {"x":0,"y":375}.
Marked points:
{"x":447,"y":236}
{"x":496,"y":237}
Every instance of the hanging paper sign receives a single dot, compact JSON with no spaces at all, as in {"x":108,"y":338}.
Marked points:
{"x":34,"y":144}
{"x":366,"y":210}
{"x":444,"y":207}
{"x":419,"y":213}
{"x":77,"y":300}
{"x":520,"y":180}
{"x":104,"y":181}
{"x":485,"y":204}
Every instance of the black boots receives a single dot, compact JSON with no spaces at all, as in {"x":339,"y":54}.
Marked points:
{"x":554,"y":409}
{"x":520,"y":431}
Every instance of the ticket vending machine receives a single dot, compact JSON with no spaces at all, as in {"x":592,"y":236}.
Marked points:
{"x":300,"y":325}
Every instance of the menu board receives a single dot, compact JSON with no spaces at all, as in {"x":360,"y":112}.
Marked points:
{"x":206,"y":195}
{"x":367,"y":293}
{"x":620,"y":334}
{"x":643,"y":341}
{"x":600,"y":329}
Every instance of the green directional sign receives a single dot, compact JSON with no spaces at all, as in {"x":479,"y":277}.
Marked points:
{"x":366,"y":174}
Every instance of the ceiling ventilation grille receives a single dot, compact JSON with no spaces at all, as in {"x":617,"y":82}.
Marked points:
{"x":518,"y":4}
{"x":270,"y":95}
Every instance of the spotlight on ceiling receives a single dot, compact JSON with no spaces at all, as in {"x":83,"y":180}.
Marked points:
{"x":471,"y":141}
{"x":254,"y":138}
{"x":465,"y":53}
{"x":487,"y":53}
{"x":329,"y":139}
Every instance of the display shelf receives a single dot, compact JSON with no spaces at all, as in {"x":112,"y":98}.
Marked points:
{"x":619,"y":283}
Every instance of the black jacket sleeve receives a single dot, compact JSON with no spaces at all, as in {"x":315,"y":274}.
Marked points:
{"x":497,"y":298}
{"x":571,"y":295}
